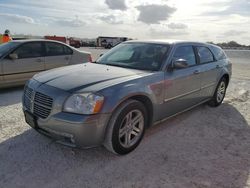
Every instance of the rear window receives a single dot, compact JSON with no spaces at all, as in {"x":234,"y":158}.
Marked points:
{"x":55,"y":49}
{"x":205,"y":54}
{"x":218,"y":53}
{"x":68,"y":51}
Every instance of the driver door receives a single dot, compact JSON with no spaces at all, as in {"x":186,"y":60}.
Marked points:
{"x":29,"y":60}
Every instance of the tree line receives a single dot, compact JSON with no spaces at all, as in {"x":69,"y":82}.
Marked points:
{"x":231,"y":44}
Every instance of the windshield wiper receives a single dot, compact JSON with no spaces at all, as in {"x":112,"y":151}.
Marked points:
{"x":117,"y":65}
{"x":122,"y":66}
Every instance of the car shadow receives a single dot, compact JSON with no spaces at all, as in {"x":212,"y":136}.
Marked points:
{"x":205,"y":147}
{"x":11,"y":96}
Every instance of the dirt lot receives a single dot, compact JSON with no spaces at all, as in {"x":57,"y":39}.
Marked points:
{"x":205,"y":147}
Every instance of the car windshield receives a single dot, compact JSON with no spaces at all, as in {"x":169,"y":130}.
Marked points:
{"x":143,"y":56}
{"x":4,"y":48}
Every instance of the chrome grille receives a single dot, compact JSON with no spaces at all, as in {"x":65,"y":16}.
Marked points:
{"x":37,"y":103}
{"x":28,"y":97}
{"x":43,"y":100}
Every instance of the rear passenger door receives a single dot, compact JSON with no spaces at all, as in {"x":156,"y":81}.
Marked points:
{"x":182,"y":86}
{"x":209,"y":69}
{"x":57,"y":55}
{"x":30,"y":60}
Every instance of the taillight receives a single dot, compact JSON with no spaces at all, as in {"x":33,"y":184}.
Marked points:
{"x":89,"y":58}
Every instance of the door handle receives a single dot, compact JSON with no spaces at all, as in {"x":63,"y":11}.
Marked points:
{"x":217,"y":66}
{"x":66,"y":58}
{"x":196,"y":72}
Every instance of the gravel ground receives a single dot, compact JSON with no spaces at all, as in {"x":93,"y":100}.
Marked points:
{"x":205,"y":147}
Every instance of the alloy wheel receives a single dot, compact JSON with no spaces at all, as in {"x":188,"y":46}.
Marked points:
{"x":131,"y":128}
{"x":221,"y":91}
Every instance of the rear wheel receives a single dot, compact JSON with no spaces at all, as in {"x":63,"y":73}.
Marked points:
{"x":219,"y":93}
{"x":126,"y":128}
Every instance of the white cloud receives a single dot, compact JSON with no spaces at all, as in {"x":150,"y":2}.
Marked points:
{"x":110,"y":19}
{"x":15,"y":18}
{"x":116,"y":4}
{"x":234,"y":33}
{"x":166,"y":33}
{"x":154,"y":14}
{"x":177,"y":26}
{"x":142,"y":19}
{"x":70,"y":22}
{"x":240,"y":7}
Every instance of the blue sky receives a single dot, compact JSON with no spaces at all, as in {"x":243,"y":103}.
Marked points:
{"x":206,"y":20}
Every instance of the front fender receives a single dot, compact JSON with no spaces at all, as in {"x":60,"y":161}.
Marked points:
{"x":150,"y":86}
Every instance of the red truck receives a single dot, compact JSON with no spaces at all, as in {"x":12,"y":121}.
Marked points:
{"x":74,"y":42}
{"x":57,"y":38}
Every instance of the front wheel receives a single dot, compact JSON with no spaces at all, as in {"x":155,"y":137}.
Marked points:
{"x":126,"y":128}
{"x":219,"y":93}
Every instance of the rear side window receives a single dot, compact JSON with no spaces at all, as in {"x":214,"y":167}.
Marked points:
{"x":205,"y":54}
{"x":218,"y":53}
{"x":55,"y":49}
{"x":68,"y":51}
{"x":29,"y":50}
{"x":187,"y":53}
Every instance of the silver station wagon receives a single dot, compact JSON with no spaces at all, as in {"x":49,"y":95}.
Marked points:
{"x":21,"y":59}
{"x":136,"y":84}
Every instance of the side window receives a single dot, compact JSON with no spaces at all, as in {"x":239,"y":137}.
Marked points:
{"x":205,"y":54}
{"x":218,"y":53}
{"x":68,"y":51}
{"x":187,"y":53}
{"x":29,"y":50}
{"x":54,"y":49}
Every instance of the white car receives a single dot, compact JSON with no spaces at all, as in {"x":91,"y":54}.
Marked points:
{"x":21,"y":59}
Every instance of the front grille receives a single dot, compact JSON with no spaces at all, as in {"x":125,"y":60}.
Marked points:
{"x":28,"y":96}
{"x":43,"y":100}
{"x":37,"y":103}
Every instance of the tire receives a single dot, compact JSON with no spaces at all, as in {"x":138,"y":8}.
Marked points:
{"x":122,"y":136}
{"x":219,"y":93}
{"x":109,"y":46}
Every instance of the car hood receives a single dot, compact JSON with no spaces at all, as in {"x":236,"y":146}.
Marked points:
{"x":77,"y":77}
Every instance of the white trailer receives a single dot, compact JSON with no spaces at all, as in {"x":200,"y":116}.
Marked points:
{"x":109,"y":42}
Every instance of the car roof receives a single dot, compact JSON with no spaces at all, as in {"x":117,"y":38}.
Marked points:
{"x":41,"y":40}
{"x":166,"y":41}
{"x":36,"y":40}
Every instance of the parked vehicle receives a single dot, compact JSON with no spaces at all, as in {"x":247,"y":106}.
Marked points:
{"x":110,"y":42}
{"x":131,"y":87}
{"x":20,"y":60}
{"x":56,"y":38}
{"x":74,"y":43}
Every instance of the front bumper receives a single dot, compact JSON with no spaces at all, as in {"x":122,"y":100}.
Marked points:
{"x":69,"y":129}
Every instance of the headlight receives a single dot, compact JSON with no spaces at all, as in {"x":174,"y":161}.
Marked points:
{"x":86,"y":103}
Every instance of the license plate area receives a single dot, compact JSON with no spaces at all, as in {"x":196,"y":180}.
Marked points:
{"x":30,"y":119}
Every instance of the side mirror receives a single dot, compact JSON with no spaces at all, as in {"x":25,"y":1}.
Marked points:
{"x":180,"y":64}
{"x":13,"y":56}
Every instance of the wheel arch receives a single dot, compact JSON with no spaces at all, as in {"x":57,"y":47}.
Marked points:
{"x":148,"y":105}
{"x":144,"y":99}
{"x":226,"y":76}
